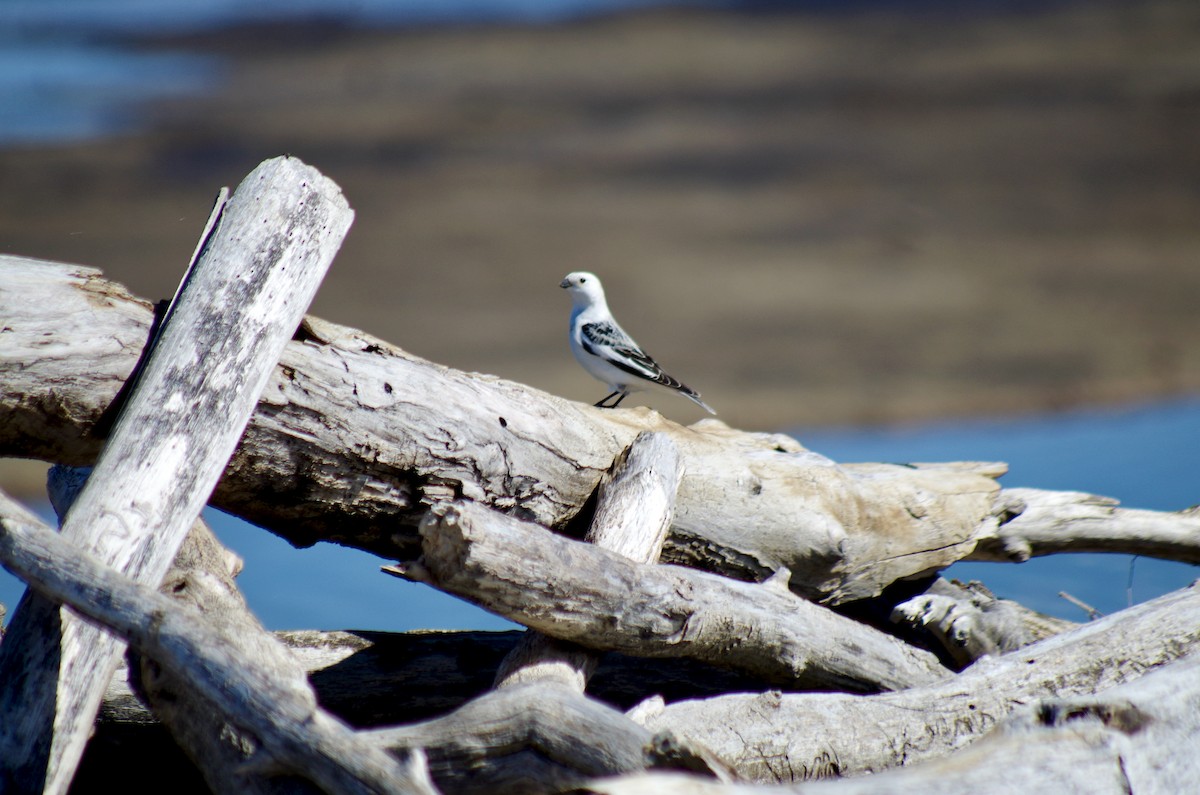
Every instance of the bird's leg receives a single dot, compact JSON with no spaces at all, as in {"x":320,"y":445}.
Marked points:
{"x":606,"y":398}
{"x":622,"y":397}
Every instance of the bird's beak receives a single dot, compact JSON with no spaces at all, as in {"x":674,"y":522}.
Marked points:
{"x":565,"y":283}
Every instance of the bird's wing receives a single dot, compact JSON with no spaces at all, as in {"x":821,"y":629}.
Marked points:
{"x":609,"y":341}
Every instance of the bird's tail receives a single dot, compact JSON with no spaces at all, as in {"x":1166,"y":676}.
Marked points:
{"x":694,"y":396}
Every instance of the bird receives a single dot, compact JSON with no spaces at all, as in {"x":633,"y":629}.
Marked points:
{"x":607,"y":352}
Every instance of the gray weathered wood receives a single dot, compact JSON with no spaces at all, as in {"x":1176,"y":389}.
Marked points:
{"x":202,"y":575}
{"x":526,"y":738}
{"x":634,"y":506}
{"x":410,"y":433}
{"x":971,"y":623}
{"x":1042,"y":522}
{"x":256,"y":274}
{"x":576,"y":592}
{"x":795,"y":737}
{"x":749,"y":504}
{"x":540,"y":737}
{"x":636,"y":500}
{"x":1138,"y":737}
{"x":240,"y":668}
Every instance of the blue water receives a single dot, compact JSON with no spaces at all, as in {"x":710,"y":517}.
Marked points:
{"x":58,"y":92}
{"x":1147,"y":457}
{"x":72,"y":70}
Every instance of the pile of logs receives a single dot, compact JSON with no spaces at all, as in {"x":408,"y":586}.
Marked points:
{"x":707,"y":609}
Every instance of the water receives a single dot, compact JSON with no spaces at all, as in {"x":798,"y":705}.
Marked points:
{"x":72,"y":70}
{"x":1147,"y":456}
{"x":54,"y":91}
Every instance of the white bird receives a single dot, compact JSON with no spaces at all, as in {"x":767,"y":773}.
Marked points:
{"x":607,"y":352}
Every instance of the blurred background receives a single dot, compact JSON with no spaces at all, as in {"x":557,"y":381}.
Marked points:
{"x":899,"y":230}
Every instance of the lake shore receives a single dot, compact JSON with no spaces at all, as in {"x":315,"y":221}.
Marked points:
{"x":862,"y":218}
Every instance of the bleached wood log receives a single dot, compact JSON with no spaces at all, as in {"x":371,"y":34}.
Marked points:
{"x":245,"y":673}
{"x":409,"y":433}
{"x":202,"y":576}
{"x":255,"y":273}
{"x":1041,"y":522}
{"x":576,"y":592}
{"x":223,"y":752}
{"x":538,"y":732}
{"x":634,"y":506}
{"x":536,"y":738}
{"x":775,"y":737}
{"x":355,"y":434}
{"x":1138,"y":737}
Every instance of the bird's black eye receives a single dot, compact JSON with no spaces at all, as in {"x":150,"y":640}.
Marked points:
{"x":581,"y":281}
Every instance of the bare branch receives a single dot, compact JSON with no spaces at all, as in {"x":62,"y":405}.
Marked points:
{"x":633,"y":513}
{"x":1137,"y":737}
{"x":576,"y":592}
{"x":1036,"y":522}
{"x":785,"y":737}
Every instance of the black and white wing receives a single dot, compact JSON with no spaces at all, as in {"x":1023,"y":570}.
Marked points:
{"x":609,"y":342}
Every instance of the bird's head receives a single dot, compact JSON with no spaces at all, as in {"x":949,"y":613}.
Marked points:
{"x":584,"y":287}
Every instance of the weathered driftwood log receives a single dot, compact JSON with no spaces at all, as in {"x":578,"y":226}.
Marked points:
{"x":354,"y":439}
{"x":244,"y":673}
{"x":1138,"y":737}
{"x":538,"y":733}
{"x":576,"y":592}
{"x":202,"y":576}
{"x":970,"y":622}
{"x":777,"y":737}
{"x":1047,"y":522}
{"x":538,"y":738}
{"x":256,"y":270}
{"x":634,"y":505}
{"x":356,"y":435}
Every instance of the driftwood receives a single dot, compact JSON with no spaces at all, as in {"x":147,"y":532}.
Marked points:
{"x":257,"y":267}
{"x":633,"y":513}
{"x":538,"y":732}
{"x":970,"y":623}
{"x":1138,"y":737}
{"x":243,"y":675}
{"x":782,"y":568}
{"x":1049,"y":522}
{"x":590,"y":596}
{"x":531,"y":738}
{"x":790,"y":737}
{"x":380,"y":679}
{"x":412,"y":434}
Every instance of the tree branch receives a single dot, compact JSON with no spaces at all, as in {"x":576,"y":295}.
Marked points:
{"x":576,"y":592}
{"x":791,"y":737}
{"x":1036,"y":522}
{"x":633,"y":513}
{"x":1137,"y":737}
